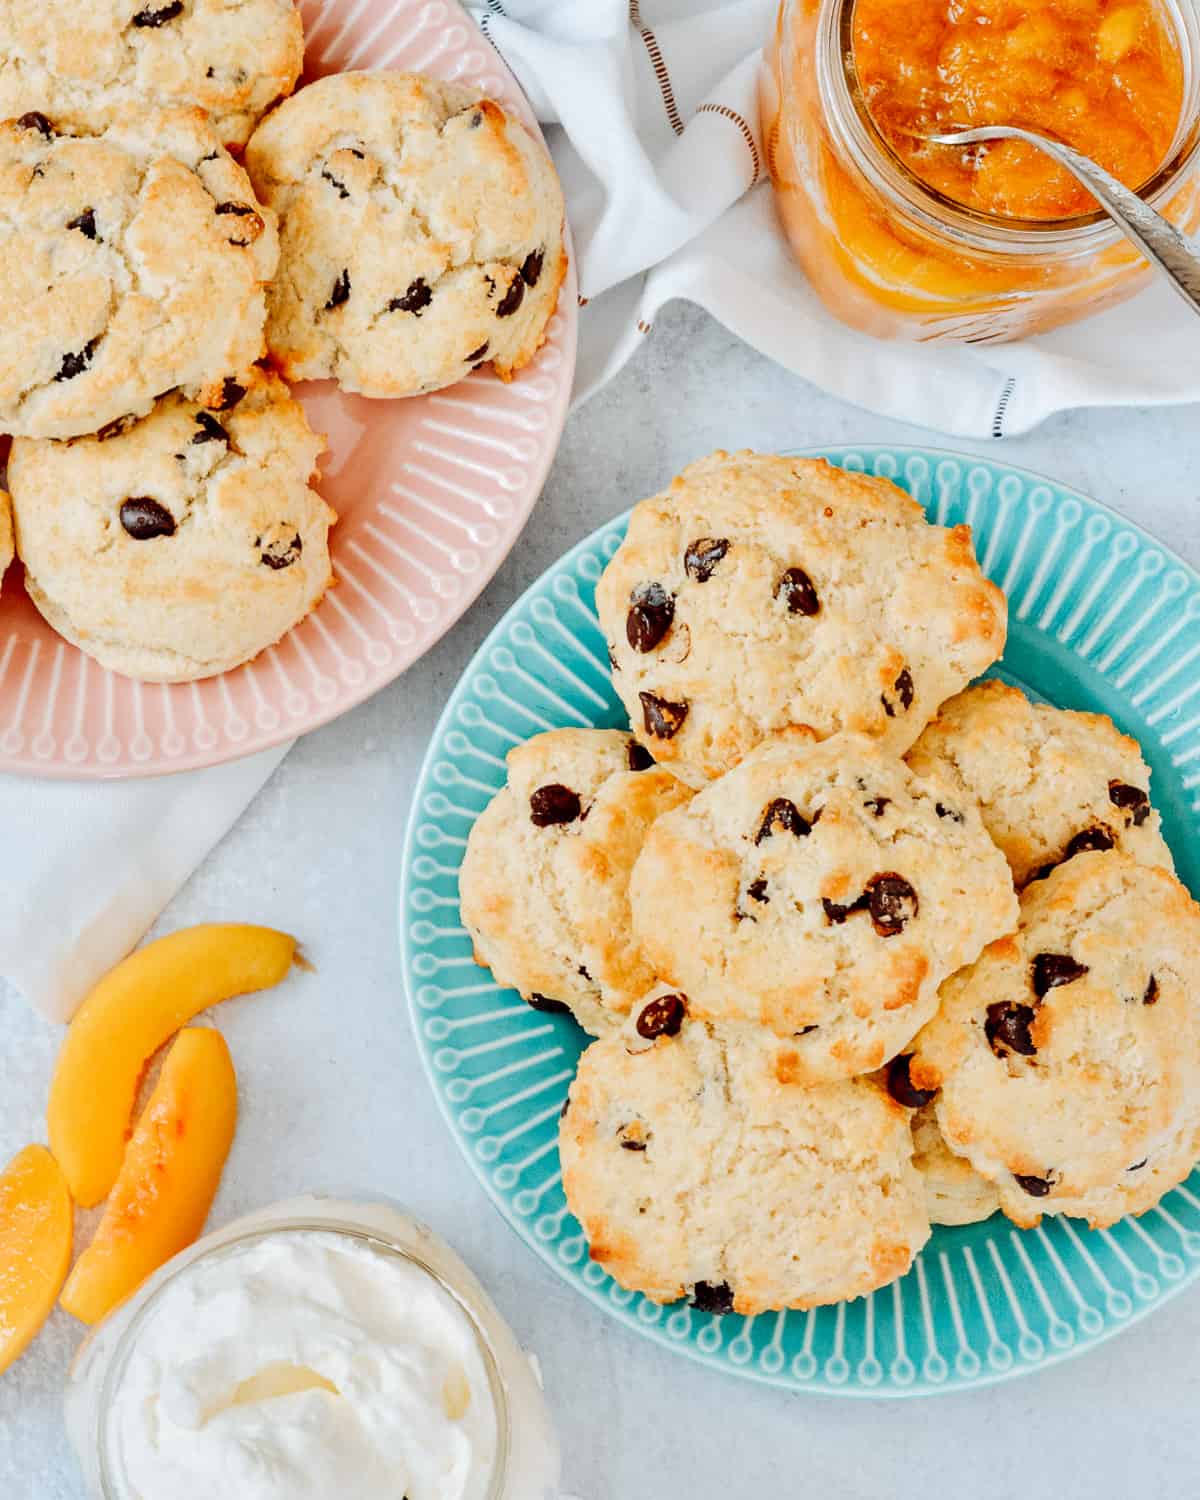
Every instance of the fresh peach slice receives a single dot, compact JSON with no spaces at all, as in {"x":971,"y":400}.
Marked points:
{"x":35,"y":1246}
{"x":168,"y":1179}
{"x":134,"y":1009}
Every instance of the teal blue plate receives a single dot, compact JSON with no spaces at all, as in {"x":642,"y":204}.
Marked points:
{"x":1101,"y":617}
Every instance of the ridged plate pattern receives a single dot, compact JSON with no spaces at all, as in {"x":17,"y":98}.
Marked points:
{"x":431,"y":492}
{"x":1101,"y":618}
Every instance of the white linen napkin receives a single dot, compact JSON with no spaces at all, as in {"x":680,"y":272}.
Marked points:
{"x":653,"y":104}
{"x":86,"y":868}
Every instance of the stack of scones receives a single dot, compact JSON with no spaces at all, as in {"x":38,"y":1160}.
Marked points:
{"x":182,"y":237}
{"x":864,"y":947}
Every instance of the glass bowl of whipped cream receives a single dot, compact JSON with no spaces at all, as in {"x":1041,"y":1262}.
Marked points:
{"x":320,"y":1348}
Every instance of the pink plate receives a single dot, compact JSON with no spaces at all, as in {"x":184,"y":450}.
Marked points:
{"x":432,"y":493}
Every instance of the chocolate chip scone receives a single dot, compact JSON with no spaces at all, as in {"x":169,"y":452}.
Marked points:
{"x":1049,"y":782}
{"x":544,"y":885}
{"x":134,"y":261}
{"x":759,"y":592}
{"x":698,"y":1167}
{"x":1068,"y":1055}
{"x":824,"y":891}
{"x":955,"y":1193}
{"x":180,"y":545}
{"x":421,"y":230}
{"x":89,"y":64}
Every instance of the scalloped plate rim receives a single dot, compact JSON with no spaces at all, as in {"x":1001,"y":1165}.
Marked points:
{"x":782,"y":1380}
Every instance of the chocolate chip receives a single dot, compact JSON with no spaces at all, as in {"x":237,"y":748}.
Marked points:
{"x":1052,"y":969}
{"x":900,"y":1084}
{"x":796,"y":590}
{"x":76,"y":364}
{"x":554,"y":803}
{"x":1090,"y":838}
{"x":566,"y":1104}
{"x":531,"y":267}
{"x":663,"y":1016}
{"x":877,"y":805}
{"x":635,"y":1142}
{"x":340,"y":293}
{"x":1007,"y":1028}
{"x":663,"y":719}
{"x":757,"y":891}
{"x":1138,"y":1165}
{"x":640,"y":758}
{"x":903,"y":688}
{"x":892,"y":903}
{"x":1036,"y":1187}
{"x":478,"y":355}
{"x":159,"y":17}
{"x":836,"y":914}
{"x":1130,"y":799}
{"x":476,"y":120}
{"x":231,"y":394}
{"x":650,"y":614}
{"x":35,"y":120}
{"x":238,"y":210}
{"x":85,"y":223}
{"x":804,"y":1030}
{"x":1150,"y":993}
{"x":211,"y":430}
{"x":612,"y":660}
{"x":703,"y":555}
{"x":582,"y":971}
{"x":115,"y":429}
{"x":415,"y":299}
{"x":512,"y":298}
{"x":947,"y":812}
{"x":549,"y":1007}
{"x":783,"y":816}
{"x":277,"y":555}
{"x":144,"y":518}
{"x":633,"y":1145}
{"x":713,"y":1297}
{"x":342,"y":190}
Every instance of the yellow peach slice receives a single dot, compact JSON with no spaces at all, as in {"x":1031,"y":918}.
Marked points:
{"x":35,"y":1246}
{"x":133,"y":1010}
{"x":168,"y":1179}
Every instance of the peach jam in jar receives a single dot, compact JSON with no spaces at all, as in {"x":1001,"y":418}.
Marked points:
{"x":906,"y":239}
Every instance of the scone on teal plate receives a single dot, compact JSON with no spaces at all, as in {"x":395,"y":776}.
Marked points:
{"x":544,"y":884}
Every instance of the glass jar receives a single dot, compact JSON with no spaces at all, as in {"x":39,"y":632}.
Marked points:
{"x":892,"y":256}
{"x":526,"y":1461}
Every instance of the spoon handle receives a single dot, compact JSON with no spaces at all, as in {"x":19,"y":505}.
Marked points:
{"x":1157,"y":238}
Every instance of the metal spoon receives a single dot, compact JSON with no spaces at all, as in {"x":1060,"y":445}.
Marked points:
{"x":1165,"y":247}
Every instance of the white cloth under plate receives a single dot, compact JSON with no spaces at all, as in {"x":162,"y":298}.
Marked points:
{"x":85,"y":868}
{"x":653,"y":121}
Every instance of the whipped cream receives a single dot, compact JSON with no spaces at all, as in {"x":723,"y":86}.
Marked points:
{"x":304,"y":1363}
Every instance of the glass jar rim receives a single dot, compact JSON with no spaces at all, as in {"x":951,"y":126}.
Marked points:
{"x":348,"y":1229}
{"x":857,"y":133}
